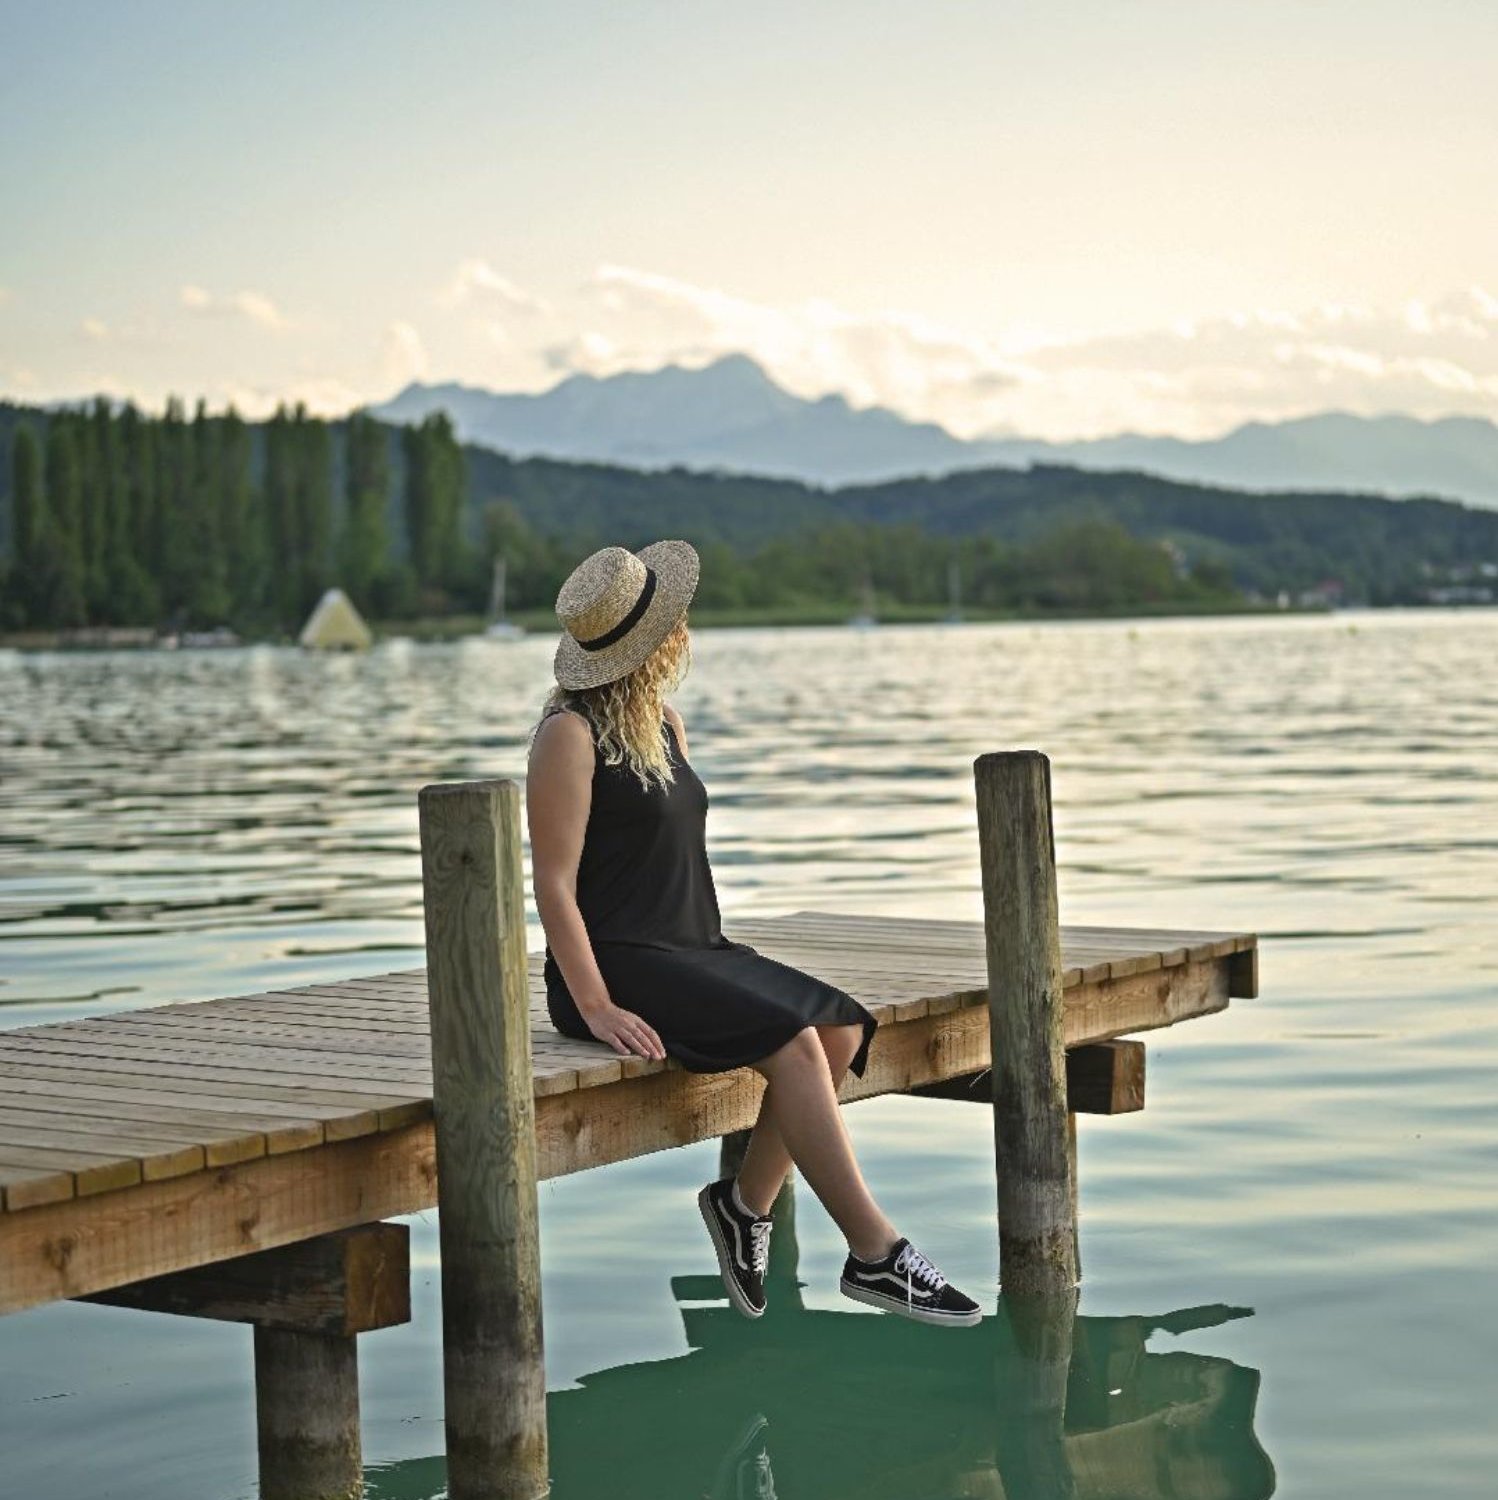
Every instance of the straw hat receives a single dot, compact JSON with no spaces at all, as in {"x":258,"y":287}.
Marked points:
{"x":617,"y":606}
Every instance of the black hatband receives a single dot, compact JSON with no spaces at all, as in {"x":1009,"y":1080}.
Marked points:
{"x":647,"y":593}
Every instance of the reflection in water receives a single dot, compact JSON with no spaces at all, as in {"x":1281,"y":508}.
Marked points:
{"x":1034,"y":1403}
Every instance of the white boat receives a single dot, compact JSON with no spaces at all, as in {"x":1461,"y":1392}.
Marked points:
{"x":499,"y":628}
{"x":953,"y":615}
{"x":865,"y":618}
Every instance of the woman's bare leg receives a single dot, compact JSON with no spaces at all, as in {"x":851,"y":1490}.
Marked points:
{"x":766,"y":1159}
{"x":799,"y":1120}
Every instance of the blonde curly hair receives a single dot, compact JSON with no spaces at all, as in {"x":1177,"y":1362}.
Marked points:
{"x":626,"y":713}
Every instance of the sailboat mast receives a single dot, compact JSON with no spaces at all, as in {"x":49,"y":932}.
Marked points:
{"x":497,"y":590}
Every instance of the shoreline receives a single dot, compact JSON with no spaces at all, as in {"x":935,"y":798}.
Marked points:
{"x":543,"y":622}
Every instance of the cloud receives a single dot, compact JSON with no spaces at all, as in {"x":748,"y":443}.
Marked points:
{"x":1194,"y":377}
{"x":95,"y":328}
{"x":476,"y":280}
{"x":5,"y":295}
{"x":1428,"y":357}
{"x":323,"y":396}
{"x":256,"y":307}
{"x":889,"y":358}
{"x":403,"y":357}
{"x":589,"y":351}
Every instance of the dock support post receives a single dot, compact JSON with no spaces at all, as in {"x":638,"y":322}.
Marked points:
{"x":1036,"y":1170}
{"x":307,"y":1414}
{"x":484,"y":1120}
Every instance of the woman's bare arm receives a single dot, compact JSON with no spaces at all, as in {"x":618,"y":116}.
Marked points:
{"x":679,"y":727}
{"x":558,"y":795}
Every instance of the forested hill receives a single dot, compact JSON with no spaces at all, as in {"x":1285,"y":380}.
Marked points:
{"x":1379,"y":550}
{"x":110,"y":516}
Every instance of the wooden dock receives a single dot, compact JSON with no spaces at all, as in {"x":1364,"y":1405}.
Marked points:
{"x":138,"y":1148}
{"x":175,"y":1135}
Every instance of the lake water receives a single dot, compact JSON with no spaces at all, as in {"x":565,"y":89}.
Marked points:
{"x":1290,"y":1284}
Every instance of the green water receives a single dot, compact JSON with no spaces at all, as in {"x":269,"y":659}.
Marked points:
{"x":1289,"y":1271}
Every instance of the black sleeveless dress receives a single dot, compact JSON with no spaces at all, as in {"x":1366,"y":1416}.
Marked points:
{"x":645,"y":891}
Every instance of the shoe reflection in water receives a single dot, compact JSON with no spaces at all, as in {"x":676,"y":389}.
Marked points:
{"x":745,"y":1472}
{"x":1033,"y":1403}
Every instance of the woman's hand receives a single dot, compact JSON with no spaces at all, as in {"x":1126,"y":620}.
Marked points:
{"x":625,"y":1032}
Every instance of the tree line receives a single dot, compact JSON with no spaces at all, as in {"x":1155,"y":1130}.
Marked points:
{"x":121,"y":518}
{"x":189,"y":521}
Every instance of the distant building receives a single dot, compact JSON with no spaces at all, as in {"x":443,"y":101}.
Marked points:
{"x":1328,"y":594}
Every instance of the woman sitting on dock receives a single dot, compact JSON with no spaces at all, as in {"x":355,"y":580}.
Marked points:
{"x":635,"y":956}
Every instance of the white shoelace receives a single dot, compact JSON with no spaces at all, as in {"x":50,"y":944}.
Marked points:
{"x":759,"y":1244}
{"x":914,"y":1264}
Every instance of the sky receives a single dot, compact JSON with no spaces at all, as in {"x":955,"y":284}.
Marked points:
{"x":1060,"y":219}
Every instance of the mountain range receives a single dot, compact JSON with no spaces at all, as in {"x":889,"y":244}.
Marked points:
{"x":730,"y":416}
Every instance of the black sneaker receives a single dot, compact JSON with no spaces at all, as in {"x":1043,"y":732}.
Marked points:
{"x":742,"y":1241}
{"x":905,"y":1282}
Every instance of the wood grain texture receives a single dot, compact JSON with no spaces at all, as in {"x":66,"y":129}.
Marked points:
{"x":1036,"y":1175}
{"x":307,"y":1415}
{"x":483,"y":1107}
{"x":1104,"y":1078}
{"x":348,"y":1282}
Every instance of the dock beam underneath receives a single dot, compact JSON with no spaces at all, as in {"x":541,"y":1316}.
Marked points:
{"x":307,"y":1302}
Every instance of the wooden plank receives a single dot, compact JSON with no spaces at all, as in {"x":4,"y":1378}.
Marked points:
{"x":226,"y":1032}
{"x":388,"y":1108}
{"x":229,"y":1063}
{"x":90,"y":1172}
{"x":854,"y":922}
{"x":71,"y":1096}
{"x":156,"y":1156}
{"x":920,"y":936}
{"x":29,"y":1186}
{"x":218,"y":1145}
{"x":274,"y":1013}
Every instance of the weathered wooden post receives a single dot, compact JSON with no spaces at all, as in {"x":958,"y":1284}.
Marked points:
{"x":1036,"y":1171}
{"x":307,"y":1415}
{"x":484,"y":1115}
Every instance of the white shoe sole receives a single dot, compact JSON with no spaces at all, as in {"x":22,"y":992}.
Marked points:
{"x":919,"y":1314}
{"x":725,"y":1258}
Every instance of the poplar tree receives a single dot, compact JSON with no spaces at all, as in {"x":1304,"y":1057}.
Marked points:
{"x":138,"y":445}
{"x":242,"y":522}
{"x":30,"y":502}
{"x":434,"y":491}
{"x":60,"y":577}
{"x":281,"y":517}
{"x":366,"y":543}
{"x":175,"y":496}
{"x":207,"y":595}
{"x":314,"y":498}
